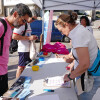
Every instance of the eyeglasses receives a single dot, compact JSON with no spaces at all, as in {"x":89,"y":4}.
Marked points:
{"x":23,"y":20}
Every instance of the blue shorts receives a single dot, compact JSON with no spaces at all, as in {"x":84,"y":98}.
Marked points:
{"x":24,"y":59}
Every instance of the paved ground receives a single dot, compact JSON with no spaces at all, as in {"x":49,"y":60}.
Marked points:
{"x":12,"y":66}
{"x":13,"y":59}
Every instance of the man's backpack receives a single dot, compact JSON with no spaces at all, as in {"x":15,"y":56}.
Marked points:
{"x":2,"y":37}
{"x":14,"y":43}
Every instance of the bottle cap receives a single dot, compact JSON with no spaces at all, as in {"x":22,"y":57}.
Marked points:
{"x":45,"y":53}
{"x":35,"y":68}
{"x":41,"y":59}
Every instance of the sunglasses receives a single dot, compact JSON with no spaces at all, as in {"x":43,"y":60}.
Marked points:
{"x":23,"y":20}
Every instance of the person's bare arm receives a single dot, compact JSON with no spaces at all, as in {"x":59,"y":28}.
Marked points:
{"x":64,"y":56}
{"x":84,"y":62}
{"x":19,"y":37}
{"x":68,"y":58}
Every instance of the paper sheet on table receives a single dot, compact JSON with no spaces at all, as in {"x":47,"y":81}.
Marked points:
{"x":57,"y":81}
{"x":54,"y":60}
{"x":45,"y":97}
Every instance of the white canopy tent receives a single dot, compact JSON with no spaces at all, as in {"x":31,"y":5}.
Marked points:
{"x":68,"y":4}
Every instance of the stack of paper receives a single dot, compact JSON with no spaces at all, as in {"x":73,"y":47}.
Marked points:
{"x":56,"y":81}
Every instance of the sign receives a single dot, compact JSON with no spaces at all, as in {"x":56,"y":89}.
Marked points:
{"x":49,"y":27}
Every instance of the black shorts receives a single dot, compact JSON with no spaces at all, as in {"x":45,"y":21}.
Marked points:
{"x":3,"y":84}
{"x":24,"y":59}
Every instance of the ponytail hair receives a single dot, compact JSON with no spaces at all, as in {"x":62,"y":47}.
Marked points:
{"x":66,"y":18}
{"x":73,"y":17}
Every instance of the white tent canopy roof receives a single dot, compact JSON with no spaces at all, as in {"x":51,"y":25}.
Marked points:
{"x":68,"y":4}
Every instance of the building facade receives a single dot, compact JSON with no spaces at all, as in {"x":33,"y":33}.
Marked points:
{"x":7,"y":5}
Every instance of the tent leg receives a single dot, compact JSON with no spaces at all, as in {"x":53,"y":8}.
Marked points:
{"x":42,"y":35}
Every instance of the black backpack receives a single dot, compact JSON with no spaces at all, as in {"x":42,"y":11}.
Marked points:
{"x":2,"y":37}
{"x":14,"y":43}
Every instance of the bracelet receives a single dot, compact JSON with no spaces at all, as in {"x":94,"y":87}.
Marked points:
{"x":69,"y":76}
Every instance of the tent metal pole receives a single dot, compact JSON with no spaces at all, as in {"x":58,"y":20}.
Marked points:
{"x":42,"y":21}
{"x":42,"y":35}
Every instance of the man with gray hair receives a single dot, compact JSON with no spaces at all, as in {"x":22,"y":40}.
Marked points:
{"x":18,"y":16}
{"x":24,"y":43}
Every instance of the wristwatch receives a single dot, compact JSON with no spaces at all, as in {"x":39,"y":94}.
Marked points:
{"x":69,"y":77}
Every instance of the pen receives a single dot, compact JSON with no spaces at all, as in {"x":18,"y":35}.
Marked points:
{"x":48,"y":90}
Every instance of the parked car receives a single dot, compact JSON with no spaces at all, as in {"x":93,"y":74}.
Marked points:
{"x":36,"y":27}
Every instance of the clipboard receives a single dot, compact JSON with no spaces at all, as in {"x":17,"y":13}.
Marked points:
{"x":56,"y":82}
